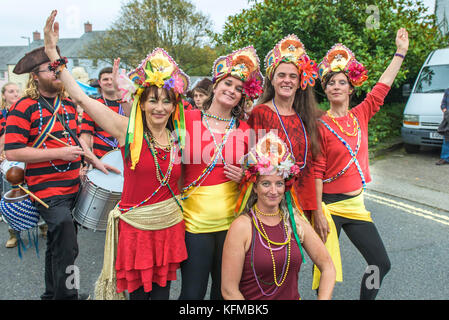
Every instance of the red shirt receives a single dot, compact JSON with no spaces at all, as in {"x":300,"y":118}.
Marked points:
{"x":103,"y":142}
{"x":141,"y":182}
{"x":200,"y":148}
{"x":262,"y":117}
{"x":22,"y":129}
{"x":335,"y":156}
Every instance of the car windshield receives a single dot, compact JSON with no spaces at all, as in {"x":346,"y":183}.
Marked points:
{"x":433,"y":79}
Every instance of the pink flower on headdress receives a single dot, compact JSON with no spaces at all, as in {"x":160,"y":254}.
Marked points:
{"x":178,"y":85}
{"x":264,"y":167}
{"x":357,"y":73}
{"x":294,"y":170}
{"x":252,"y":88}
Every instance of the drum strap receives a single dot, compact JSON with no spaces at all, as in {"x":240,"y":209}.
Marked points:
{"x":49,"y":126}
{"x":54,"y":111}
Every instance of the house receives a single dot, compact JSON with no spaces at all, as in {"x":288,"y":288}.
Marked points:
{"x":71,"y":48}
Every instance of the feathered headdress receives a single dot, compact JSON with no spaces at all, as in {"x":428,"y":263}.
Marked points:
{"x":157,"y":69}
{"x":291,"y":50}
{"x":244,"y":65}
{"x":340,"y":58}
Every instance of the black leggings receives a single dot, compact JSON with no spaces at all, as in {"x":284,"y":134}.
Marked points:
{"x":157,"y":293}
{"x":204,"y":252}
{"x":367,"y":240}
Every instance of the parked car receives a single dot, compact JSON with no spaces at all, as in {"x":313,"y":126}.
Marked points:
{"x":422,"y":113}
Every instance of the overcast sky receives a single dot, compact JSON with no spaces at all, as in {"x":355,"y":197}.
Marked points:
{"x":20,"y":18}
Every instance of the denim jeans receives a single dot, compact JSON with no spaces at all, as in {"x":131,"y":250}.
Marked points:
{"x":445,"y":150}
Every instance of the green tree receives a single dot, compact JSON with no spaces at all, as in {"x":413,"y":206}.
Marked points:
{"x":367,"y":27}
{"x":144,"y":25}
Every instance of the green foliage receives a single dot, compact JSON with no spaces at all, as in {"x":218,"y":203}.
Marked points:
{"x":144,"y":25}
{"x":386,"y":124}
{"x":322,"y":23}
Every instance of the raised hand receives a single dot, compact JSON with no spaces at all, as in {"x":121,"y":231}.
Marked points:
{"x":402,"y":41}
{"x":51,"y":36}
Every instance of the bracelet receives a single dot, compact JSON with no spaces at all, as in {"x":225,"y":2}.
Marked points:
{"x":55,"y":65}
{"x":399,"y":55}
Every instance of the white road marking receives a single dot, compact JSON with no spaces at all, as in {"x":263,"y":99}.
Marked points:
{"x":409,"y":209}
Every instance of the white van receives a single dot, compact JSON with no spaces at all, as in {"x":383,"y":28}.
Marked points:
{"x":422,"y":113}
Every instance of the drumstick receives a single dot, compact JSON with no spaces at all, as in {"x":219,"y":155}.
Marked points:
{"x":52,"y":136}
{"x":35,"y":197}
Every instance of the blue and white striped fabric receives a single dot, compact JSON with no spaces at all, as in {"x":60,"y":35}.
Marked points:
{"x":21,"y":215}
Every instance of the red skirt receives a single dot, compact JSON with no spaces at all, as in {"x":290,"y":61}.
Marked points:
{"x":144,"y":257}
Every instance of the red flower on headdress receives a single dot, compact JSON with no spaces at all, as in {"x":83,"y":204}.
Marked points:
{"x":309,"y":71}
{"x":357,"y":73}
{"x":253,"y":88}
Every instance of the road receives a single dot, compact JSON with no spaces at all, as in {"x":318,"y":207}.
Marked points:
{"x":415,"y":231}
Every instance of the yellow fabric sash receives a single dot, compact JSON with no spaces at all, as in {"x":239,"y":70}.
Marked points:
{"x":353,"y":208}
{"x":211,"y":208}
{"x":157,"y":216}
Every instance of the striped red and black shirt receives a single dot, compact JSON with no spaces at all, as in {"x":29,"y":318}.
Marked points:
{"x":103,"y":142}
{"x":25,"y":120}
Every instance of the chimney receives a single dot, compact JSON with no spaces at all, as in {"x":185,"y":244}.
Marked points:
{"x":36,"y":36}
{"x":87,"y":27}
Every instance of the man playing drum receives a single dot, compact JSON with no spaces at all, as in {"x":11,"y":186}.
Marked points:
{"x":38,"y":133}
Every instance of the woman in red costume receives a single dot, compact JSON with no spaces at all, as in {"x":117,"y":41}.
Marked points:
{"x":148,"y":220}
{"x":342,"y":169}
{"x":216,"y":140}
{"x":288,"y":106}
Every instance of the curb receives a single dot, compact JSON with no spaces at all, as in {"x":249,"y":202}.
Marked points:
{"x":385,"y":147}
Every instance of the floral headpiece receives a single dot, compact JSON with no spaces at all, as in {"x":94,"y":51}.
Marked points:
{"x":158,"y":69}
{"x":244,"y":65}
{"x":270,"y":156}
{"x":291,"y":50}
{"x":340,"y":58}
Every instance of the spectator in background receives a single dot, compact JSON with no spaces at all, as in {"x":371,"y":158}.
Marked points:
{"x":10,"y":95}
{"x":201,"y":92}
{"x":444,"y":157}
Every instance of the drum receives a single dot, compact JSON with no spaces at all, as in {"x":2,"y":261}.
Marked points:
{"x":6,"y":165}
{"x":99,"y":194}
{"x":19,"y":212}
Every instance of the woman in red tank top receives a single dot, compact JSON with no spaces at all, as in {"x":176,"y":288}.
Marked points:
{"x":262,"y":254}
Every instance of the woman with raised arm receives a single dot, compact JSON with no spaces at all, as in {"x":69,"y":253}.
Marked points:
{"x":342,"y":170}
{"x":148,"y":219}
{"x":217,"y":139}
{"x":263,"y":252}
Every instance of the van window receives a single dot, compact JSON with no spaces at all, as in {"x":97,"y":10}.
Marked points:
{"x":433,"y":79}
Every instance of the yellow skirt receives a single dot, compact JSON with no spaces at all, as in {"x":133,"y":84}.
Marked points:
{"x":353,"y":208}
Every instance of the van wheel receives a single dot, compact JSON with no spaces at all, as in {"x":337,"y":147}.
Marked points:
{"x":411,"y":148}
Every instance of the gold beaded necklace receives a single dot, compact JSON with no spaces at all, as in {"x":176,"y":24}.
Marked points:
{"x":265,"y":236}
{"x":354,"y":133}
{"x":266,"y":214}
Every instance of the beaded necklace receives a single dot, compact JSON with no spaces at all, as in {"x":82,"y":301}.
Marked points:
{"x":353,"y":154}
{"x":69,"y":140}
{"x":288,"y":138}
{"x":212,"y":134}
{"x":266,"y":214}
{"x":354,"y":133}
{"x":215,"y":117}
{"x":165,"y":178}
{"x":208,"y":169}
{"x":285,"y":265}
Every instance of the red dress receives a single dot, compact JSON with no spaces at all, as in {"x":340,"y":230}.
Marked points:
{"x":262,"y":117}
{"x":144,"y":257}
